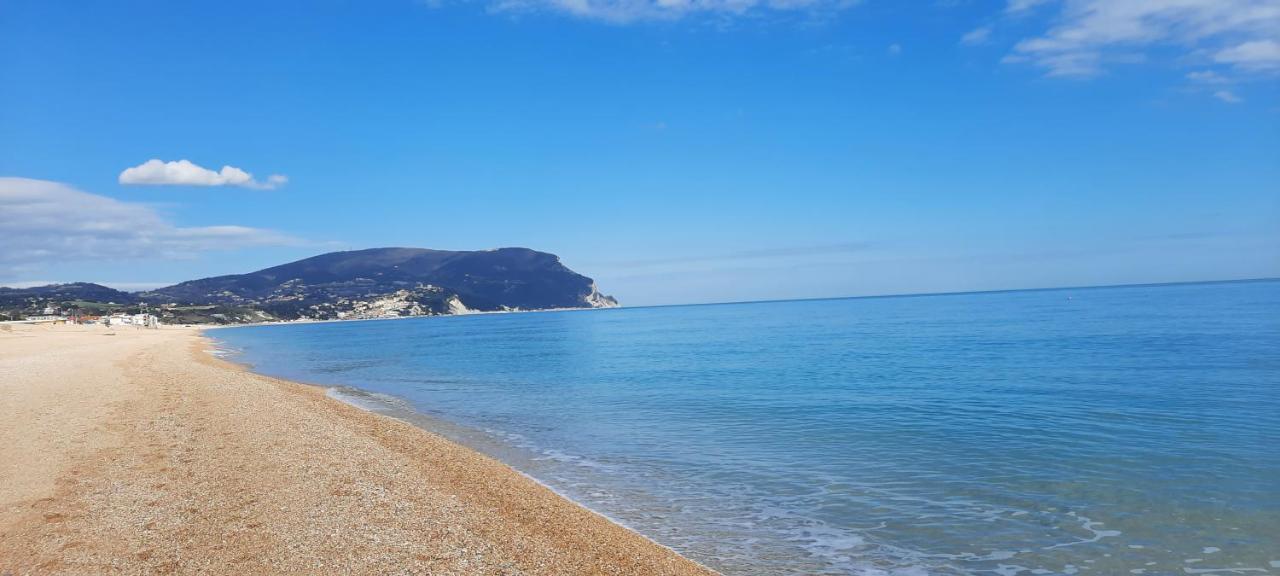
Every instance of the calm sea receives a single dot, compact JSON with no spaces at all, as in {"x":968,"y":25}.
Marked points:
{"x":1081,"y":431}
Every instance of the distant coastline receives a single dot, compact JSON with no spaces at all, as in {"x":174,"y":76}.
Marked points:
{"x":343,"y":320}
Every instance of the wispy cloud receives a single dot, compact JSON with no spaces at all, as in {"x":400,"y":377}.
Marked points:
{"x":1020,"y":6}
{"x":45,"y":222}
{"x":1252,"y":55}
{"x":784,"y":252}
{"x":1087,"y":36}
{"x":627,"y":11}
{"x":1227,"y":96}
{"x":980,"y":35}
{"x":1207,"y":77}
{"x":156,"y":172}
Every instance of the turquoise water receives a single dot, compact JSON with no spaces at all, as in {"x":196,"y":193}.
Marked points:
{"x":1082,"y":431}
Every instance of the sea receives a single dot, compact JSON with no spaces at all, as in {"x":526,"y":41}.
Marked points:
{"x":1117,"y":430}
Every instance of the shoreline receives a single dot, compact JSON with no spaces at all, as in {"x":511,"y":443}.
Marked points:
{"x":400,"y":409}
{"x":388,"y":408}
{"x":143,"y":452}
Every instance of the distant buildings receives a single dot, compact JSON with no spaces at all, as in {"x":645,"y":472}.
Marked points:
{"x":52,"y":313}
{"x":139,"y":320}
{"x":54,"y":318}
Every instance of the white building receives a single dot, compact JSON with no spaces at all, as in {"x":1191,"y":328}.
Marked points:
{"x":46,"y":318}
{"x":139,"y":320}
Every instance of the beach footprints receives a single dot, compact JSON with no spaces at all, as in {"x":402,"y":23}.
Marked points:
{"x":54,"y":517}
{"x":48,"y":510}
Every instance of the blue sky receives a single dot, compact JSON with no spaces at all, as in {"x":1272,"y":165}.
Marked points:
{"x":675,"y":151}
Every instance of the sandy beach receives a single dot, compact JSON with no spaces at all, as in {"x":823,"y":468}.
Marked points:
{"x":140,"y":453}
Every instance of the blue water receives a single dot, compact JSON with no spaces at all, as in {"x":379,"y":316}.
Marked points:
{"x":1091,"y":431}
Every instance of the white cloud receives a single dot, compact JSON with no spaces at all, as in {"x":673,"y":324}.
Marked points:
{"x":1207,"y":77}
{"x":626,"y":11}
{"x":187,"y":173}
{"x":894,"y":49}
{"x":1087,"y":35}
{"x":1019,"y":6}
{"x":1252,"y":55}
{"x":976,"y":36}
{"x":44,"y":222}
{"x":1228,"y":96}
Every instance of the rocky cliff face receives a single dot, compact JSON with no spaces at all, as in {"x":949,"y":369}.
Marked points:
{"x":597,"y":300}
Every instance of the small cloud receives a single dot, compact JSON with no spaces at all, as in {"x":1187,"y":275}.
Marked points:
{"x":632,"y":11}
{"x":786,"y":252}
{"x":1228,"y":96}
{"x":155,"y":172}
{"x":1020,"y":6}
{"x":1062,"y":64}
{"x":976,"y":36}
{"x":894,"y":49}
{"x":1253,"y":55}
{"x":1207,"y":77}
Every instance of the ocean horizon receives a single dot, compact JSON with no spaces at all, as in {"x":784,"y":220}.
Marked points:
{"x":1115,"y":429}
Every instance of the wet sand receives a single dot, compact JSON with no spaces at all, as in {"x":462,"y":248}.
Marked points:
{"x":139,"y":453}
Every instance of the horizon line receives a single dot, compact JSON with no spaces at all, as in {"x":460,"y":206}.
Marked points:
{"x":955,"y":293}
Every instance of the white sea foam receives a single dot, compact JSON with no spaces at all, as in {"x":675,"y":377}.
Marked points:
{"x":1091,"y":526}
{"x":221,"y":349}
{"x":1190,"y":570}
{"x":572,"y":459}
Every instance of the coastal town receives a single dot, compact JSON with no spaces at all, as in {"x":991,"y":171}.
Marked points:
{"x":422,"y":301}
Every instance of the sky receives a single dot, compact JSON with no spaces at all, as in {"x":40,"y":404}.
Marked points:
{"x":677,"y":151}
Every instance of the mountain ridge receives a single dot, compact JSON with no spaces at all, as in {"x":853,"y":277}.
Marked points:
{"x":373,"y":282}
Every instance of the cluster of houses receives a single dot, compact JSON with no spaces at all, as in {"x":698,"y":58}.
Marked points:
{"x":55,"y":316}
{"x":49,"y":314}
{"x":140,"y":320}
